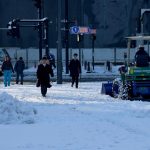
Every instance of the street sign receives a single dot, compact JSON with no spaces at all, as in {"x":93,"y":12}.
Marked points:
{"x":82,"y":30}
{"x":74,"y":30}
{"x":92,"y":31}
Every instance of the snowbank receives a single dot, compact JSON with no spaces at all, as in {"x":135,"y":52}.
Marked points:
{"x":14,"y":111}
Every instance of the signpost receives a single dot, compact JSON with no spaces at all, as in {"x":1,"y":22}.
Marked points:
{"x":82,"y":30}
{"x":74,"y":30}
{"x":85,"y":30}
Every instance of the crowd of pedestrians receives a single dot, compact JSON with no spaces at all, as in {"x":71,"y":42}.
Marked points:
{"x":47,"y":64}
{"x":44,"y":71}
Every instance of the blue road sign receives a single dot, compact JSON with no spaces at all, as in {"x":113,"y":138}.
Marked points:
{"x":74,"y":30}
{"x":82,"y":30}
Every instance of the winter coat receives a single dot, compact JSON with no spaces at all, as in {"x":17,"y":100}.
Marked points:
{"x":7,"y":65}
{"x":75,"y":67}
{"x":19,"y":66}
{"x":43,"y":74}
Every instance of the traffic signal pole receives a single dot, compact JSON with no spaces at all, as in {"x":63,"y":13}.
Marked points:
{"x":93,"y":46}
{"x":46,"y":25}
{"x":13,"y":27}
{"x":67,"y":36}
{"x":40,"y":30}
{"x":44,"y":22}
{"x":59,"y":45}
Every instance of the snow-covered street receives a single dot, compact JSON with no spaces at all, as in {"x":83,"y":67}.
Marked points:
{"x":71,"y":119}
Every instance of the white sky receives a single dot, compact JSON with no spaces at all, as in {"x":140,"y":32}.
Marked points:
{"x":71,"y":119}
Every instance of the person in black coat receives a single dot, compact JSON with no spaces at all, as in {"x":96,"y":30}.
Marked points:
{"x":19,"y":67}
{"x":43,"y":75}
{"x":75,"y":70}
{"x":142,"y":58}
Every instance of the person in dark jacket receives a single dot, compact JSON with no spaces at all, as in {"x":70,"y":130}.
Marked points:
{"x":122,"y":70}
{"x":43,"y":75}
{"x":7,"y":70}
{"x":75,"y":70}
{"x":51,"y":58}
{"x":19,"y":67}
{"x":142,"y":58}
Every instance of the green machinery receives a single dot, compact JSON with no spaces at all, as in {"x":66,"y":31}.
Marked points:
{"x":137,"y":79}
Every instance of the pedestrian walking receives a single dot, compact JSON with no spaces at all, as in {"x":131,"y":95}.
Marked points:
{"x":75,"y":70}
{"x":7,"y":70}
{"x":44,"y":72}
{"x":19,"y":67}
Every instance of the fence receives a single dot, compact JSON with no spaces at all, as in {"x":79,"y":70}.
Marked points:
{"x":101,"y":55}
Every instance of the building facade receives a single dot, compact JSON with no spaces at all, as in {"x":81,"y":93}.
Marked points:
{"x":113,"y":20}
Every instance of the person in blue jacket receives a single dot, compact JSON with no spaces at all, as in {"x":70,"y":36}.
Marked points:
{"x":7,"y":70}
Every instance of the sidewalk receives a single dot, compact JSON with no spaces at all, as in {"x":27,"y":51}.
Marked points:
{"x":99,"y":74}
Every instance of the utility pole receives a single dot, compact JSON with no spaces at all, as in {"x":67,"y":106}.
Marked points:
{"x":40,"y":31}
{"x":93,"y":46}
{"x":67,"y":36}
{"x":46,"y":27}
{"x":79,"y":38}
{"x":59,"y":46}
{"x":38,"y":5}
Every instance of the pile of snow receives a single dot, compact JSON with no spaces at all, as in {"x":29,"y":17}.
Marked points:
{"x":14,"y":111}
{"x":71,"y":119}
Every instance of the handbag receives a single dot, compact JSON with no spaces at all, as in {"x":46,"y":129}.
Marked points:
{"x":38,"y":83}
{"x":49,"y":85}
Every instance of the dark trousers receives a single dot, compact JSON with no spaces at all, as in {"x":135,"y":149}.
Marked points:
{"x":43,"y":90}
{"x":75,"y":79}
{"x":17,"y":77}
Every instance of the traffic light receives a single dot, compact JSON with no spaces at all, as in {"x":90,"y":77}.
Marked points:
{"x":37,"y":3}
{"x":13,"y":29}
